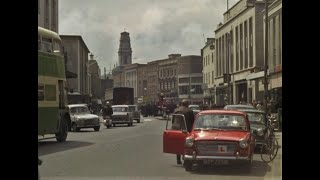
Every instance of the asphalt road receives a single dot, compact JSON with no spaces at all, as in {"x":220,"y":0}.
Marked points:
{"x":135,"y":152}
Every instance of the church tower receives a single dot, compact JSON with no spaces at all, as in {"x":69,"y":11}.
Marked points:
{"x":125,"y":52}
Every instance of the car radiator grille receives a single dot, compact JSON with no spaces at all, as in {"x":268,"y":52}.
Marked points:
{"x":216,"y":147}
{"x":119,"y":118}
{"x":89,"y":121}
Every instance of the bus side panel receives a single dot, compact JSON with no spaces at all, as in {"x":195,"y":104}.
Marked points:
{"x":48,"y":118}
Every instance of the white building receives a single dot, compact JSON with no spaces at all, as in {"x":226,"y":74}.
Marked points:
{"x":240,"y":52}
{"x":48,"y":14}
{"x":208,"y":61}
{"x":76,"y":53}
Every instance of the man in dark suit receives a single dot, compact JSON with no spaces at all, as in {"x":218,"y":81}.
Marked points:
{"x":189,"y":118}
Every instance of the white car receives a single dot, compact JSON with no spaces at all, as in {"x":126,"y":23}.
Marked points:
{"x":81,"y":117}
{"x":121,"y":115}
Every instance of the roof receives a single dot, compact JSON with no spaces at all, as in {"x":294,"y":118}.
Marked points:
{"x":120,"y":106}
{"x":222,"y":112}
{"x":77,"y":105}
{"x":79,"y":37}
{"x":48,"y":33}
{"x":251,"y":110}
{"x":235,"y":106}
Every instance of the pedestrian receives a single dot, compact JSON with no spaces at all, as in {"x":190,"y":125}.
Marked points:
{"x":189,"y":118}
{"x":107,"y":110}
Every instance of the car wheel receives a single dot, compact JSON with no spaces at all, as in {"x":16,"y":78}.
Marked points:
{"x":74,"y":127}
{"x":108,"y":126}
{"x":61,"y":136}
{"x":96,"y":128}
{"x":114,"y":125}
{"x":187,"y":165}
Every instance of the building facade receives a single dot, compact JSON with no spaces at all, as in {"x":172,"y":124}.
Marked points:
{"x":275,"y":53}
{"x":153,"y":82}
{"x":95,"y":74}
{"x":168,"y":78}
{"x":239,"y":53}
{"x":142,"y":77}
{"x":208,"y":74}
{"x":189,"y":78}
{"x":48,"y":14}
{"x":77,"y":53}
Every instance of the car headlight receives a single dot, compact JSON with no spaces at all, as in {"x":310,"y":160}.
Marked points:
{"x":189,"y":142}
{"x":243,"y":143}
{"x":260,"y":132}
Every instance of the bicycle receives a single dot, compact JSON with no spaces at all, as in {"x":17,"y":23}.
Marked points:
{"x":270,"y":149}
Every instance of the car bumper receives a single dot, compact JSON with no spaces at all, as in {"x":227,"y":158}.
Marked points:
{"x":196,"y":158}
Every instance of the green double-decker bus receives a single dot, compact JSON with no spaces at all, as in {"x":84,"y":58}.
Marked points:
{"x":53,"y":116}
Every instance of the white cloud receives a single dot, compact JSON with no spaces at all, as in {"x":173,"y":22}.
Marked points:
{"x":157,"y":27}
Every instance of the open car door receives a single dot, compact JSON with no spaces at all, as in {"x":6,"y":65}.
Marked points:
{"x":175,"y":134}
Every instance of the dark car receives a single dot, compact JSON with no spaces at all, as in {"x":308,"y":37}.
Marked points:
{"x":238,"y":106}
{"x":257,"y":124}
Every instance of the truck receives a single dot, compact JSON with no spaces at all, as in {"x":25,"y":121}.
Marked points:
{"x":123,"y":95}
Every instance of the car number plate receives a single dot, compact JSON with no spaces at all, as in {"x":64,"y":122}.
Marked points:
{"x":222,"y":149}
{"x":216,"y":162}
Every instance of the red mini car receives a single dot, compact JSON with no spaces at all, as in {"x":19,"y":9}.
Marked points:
{"x":218,"y":137}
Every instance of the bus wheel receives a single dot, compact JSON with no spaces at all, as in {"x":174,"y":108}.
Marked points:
{"x":61,"y":136}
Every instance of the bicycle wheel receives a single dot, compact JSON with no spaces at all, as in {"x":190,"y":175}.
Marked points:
{"x":269,"y":151}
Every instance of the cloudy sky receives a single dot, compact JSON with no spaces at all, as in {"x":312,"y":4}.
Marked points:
{"x":157,"y":27}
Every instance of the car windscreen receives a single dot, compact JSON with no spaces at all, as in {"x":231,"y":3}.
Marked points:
{"x":80,"y":109}
{"x":221,"y":122}
{"x":120,"y":109}
{"x":256,"y":118}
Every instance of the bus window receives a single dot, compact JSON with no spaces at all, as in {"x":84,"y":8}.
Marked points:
{"x":46,"y":45}
{"x":40,"y":92}
{"x":50,"y":93}
{"x":57,"y":47}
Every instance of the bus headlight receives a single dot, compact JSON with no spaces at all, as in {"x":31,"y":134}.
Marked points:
{"x":243,"y":143}
{"x":189,"y":142}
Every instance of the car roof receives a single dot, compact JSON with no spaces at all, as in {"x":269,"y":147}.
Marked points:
{"x":222,"y":111}
{"x":120,"y":106}
{"x":77,"y":105}
{"x":194,"y":105}
{"x":251,"y":110}
{"x":234,"y":106}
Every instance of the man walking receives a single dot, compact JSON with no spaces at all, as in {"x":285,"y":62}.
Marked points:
{"x":189,"y":118}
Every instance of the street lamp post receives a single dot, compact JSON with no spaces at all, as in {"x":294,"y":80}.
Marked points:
{"x":266,"y":60}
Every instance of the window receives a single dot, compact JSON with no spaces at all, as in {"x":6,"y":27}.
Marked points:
{"x":46,"y":45}
{"x":250,"y":43}
{"x":212,"y":58}
{"x":245,"y":44}
{"x":40,"y":92}
{"x":237,"y":49}
{"x":212,"y":77}
{"x":57,"y":48}
{"x":50,"y":93}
